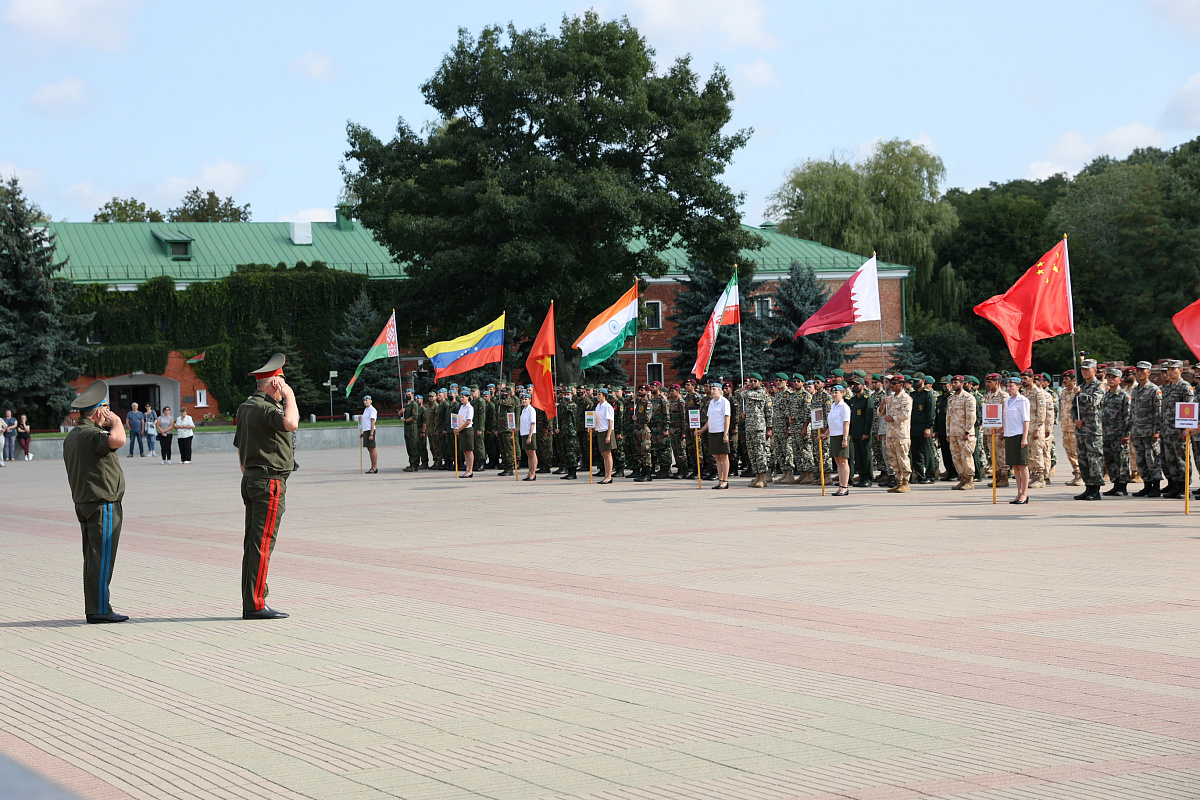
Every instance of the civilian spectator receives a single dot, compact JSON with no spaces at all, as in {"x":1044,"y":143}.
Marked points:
{"x":135,"y":421}
{"x":23,"y":435}
{"x":10,"y":436}
{"x":164,"y":426}
{"x":185,"y":427}
{"x":151,"y":430}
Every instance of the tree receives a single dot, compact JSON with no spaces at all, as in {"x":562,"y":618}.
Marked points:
{"x":908,"y":358}
{"x":951,"y":349}
{"x":797,"y":298}
{"x":1099,"y":341}
{"x":560,"y":168}
{"x":198,"y":206}
{"x":694,"y":306}
{"x":127,"y":209}
{"x":890,"y":203}
{"x":264,"y":344}
{"x":40,"y":351}
{"x":360,"y":327}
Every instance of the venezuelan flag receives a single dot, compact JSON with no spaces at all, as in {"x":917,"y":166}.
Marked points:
{"x":484,"y":346}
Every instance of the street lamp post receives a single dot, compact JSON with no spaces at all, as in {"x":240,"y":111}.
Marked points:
{"x":332,"y":374}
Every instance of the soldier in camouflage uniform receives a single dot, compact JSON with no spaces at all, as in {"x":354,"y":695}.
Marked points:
{"x":756,"y":428}
{"x":660,"y":422}
{"x":886,"y":476}
{"x":545,"y":440}
{"x":781,"y":448}
{"x":679,"y":432}
{"x":734,"y":423}
{"x":641,"y":435}
{"x":1065,"y":398}
{"x":585,"y":403}
{"x":1039,"y":412}
{"x":961,"y":415}
{"x":1116,"y":417}
{"x":429,"y":424}
{"x":995,"y":396}
{"x":1175,"y":390}
{"x":1146,"y":407}
{"x":506,"y":404}
{"x":799,"y":417}
{"x":897,"y":411}
{"x":1085,"y":412}
{"x":616,"y":398}
{"x":565,"y":428}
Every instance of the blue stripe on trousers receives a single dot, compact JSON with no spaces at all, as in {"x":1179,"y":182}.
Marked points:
{"x":105,"y":545}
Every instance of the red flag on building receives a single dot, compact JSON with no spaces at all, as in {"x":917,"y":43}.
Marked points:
{"x":540,"y":365}
{"x":1037,"y":306}
{"x":1187,"y":322}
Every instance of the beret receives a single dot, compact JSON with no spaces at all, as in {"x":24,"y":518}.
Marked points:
{"x":753,"y":375}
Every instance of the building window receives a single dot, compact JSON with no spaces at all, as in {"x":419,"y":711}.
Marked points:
{"x":654,"y":372}
{"x":762,"y":307}
{"x":179,"y":249}
{"x":653,"y":315}
{"x":202,"y":398}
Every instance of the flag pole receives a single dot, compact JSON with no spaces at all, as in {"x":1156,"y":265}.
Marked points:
{"x":1070,"y":307}
{"x":741,"y":362}
{"x":882,"y":352}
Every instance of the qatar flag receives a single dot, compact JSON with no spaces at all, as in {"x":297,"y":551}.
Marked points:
{"x":856,"y":301}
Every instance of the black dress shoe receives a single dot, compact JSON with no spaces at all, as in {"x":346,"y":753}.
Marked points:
{"x":266,"y":613}
{"x":103,"y":619}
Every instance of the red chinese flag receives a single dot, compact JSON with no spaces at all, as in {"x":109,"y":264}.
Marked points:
{"x":1187,"y":322}
{"x":1037,"y":306}
{"x":540,"y":363}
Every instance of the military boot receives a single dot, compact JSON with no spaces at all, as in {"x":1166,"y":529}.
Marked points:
{"x":958,"y":486}
{"x":805,"y":479}
{"x":1153,"y":489}
{"x":1001,"y":480}
{"x":664,"y":472}
{"x":1076,"y":480}
{"x":969,"y":484}
{"x":1117,"y":490}
{"x":1146,"y":489}
{"x":787,"y":477}
{"x":903,"y":487}
{"x":1173,"y":491}
{"x":1037,"y":481}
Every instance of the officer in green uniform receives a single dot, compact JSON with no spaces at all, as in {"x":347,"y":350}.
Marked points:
{"x":264,"y":445}
{"x":443,"y":430}
{"x":97,"y":487}
{"x":862,"y":420}
{"x":939,"y":428}
{"x":920,"y":426}
{"x":413,"y":440}
{"x":479,"y":425}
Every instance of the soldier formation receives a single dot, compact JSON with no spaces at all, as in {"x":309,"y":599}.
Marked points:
{"x":904,"y":430}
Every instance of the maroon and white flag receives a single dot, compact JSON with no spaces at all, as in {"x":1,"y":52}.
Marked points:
{"x":856,"y":301}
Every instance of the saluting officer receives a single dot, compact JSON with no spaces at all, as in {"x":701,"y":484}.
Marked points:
{"x":97,"y":487}
{"x":264,"y":444}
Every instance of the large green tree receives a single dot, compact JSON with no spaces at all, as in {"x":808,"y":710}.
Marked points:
{"x":360,"y":327}
{"x":198,"y":206}
{"x":797,"y":298}
{"x":40,"y":349}
{"x":126,"y":209}
{"x":890,"y":203}
{"x":561,"y":167}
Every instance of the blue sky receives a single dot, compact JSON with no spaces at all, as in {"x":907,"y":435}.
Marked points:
{"x":148,"y":99}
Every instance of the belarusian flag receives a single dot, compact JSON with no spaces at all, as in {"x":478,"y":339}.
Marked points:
{"x":607,"y":333}
{"x":728,"y":310}
{"x":385,"y":347}
{"x":195,"y":359}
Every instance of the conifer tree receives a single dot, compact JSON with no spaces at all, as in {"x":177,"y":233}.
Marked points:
{"x":361,"y":325}
{"x":797,"y":298}
{"x":40,"y":351}
{"x":309,"y":396}
{"x":694,"y":305}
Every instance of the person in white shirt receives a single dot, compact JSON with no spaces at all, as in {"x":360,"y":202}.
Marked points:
{"x":366,"y":426}
{"x":1016,"y":438}
{"x":717,"y":428}
{"x":528,"y":431}
{"x":466,"y":433}
{"x":605,"y":433}
{"x":837,"y":433}
{"x":184,"y":428}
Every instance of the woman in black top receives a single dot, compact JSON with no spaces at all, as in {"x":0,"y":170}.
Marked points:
{"x":23,"y":431}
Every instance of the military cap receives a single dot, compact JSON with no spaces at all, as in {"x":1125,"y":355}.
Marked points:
{"x":1026,"y":372}
{"x":602,"y":390}
{"x":899,"y":378}
{"x":917,"y":374}
{"x":783,"y":376}
{"x":798,"y":377}
{"x":676,"y":387}
{"x":464,"y":392}
{"x":1144,"y":365}
{"x":1046,"y":376}
{"x":366,"y":397}
{"x":755,"y":376}
{"x":1104,"y":365}
{"x":96,"y":394}
{"x":818,"y":378}
{"x":839,"y":373}
{"x":1113,"y":372}
{"x":860,"y":373}
{"x":645,"y":386}
{"x":993,"y":376}
{"x":453,"y":385}
{"x":1013,"y":379}
{"x":877,"y":376}
{"x":273,"y":367}
{"x":692,"y":380}
{"x":958,"y":378}
{"x":726,"y":384}
{"x":1090,"y":363}
{"x":837,"y":387}
{"x":1127,"y":370}
{"x":1069,"y":373}
{"x":442,"y":390}
{"x":432,"y":394}
{"x":657,"y":384}
{"x":946,"y":379}
{"x":973,"y":379}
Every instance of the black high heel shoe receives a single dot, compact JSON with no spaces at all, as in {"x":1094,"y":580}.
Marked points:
{"x":601,"y":483}
{"x":1024,"y":502}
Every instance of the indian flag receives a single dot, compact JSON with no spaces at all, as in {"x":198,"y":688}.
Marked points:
{"x":607,"y":333}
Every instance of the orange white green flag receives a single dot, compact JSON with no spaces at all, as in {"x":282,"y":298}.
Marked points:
{"x":606,"y":334}
{"x":385,"y":346}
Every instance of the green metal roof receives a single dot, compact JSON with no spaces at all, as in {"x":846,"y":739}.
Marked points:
{"x":134,"y":252}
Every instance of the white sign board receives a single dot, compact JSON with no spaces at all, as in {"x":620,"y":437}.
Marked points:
{"x":512,"y":421}
{"x":454,"y":421}
{"x":993,"y":415}
{"x":589,"y":420}
{"x":818,"y":418}
{"x":1186,"y":415}
{"x":694,"y":419}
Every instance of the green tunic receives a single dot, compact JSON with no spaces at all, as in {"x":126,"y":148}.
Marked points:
{"x":97,"y":487}
{"x":265,"y":452}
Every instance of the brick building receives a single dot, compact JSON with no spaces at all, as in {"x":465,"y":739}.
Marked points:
{"x":832,"y":267}
{"x":178,"y":386}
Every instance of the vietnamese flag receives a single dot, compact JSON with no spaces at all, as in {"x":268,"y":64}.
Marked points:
{"x":1187,"y":322}
{"x":1037,"y":306}
{"x":540,"y":365}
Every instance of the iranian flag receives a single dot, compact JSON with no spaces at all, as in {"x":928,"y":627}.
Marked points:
{"x":385,"y":347}
{"x":607,"y":333}
{"x":727,"y":311}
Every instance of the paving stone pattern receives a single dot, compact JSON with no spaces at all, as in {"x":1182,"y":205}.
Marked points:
{"x":493,"y":639}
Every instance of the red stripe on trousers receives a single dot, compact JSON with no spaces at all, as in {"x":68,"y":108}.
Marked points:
{"x":260,"y":582}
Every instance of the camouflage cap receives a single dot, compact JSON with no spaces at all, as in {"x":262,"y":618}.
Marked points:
{"x":1088,"y":363}
{"x":1113,"y":372}
{"x":1144,"y":365}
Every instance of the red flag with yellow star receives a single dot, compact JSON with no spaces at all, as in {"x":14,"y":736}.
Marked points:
{"x":1037,"y":306}
{"x":540,"y":365}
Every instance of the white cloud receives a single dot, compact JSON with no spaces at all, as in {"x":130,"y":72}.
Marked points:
{"x":315,"y":66}
{"x":731,"y":22}
{"x":32,"y":179}
{"x":226,"y":178}
{"x":85,"y":195}
{"x":62,"y":99}
{"x":1074,"y":150}
{"x":91,"y":24}
{"x":1183,"y":109}
{"x":310,"y":215}
{"x":925,"y":140}
{"x":1184,"y":14}
{"x":758,"y":74}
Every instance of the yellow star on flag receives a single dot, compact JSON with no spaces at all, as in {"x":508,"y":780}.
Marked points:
{"x":544,"y":363}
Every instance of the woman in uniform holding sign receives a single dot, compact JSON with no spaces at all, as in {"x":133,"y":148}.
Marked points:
{"x":717,"y":428}
{"x":605,"y":419}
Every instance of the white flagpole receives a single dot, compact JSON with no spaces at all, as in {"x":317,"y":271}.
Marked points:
{"x":741,"y":363}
